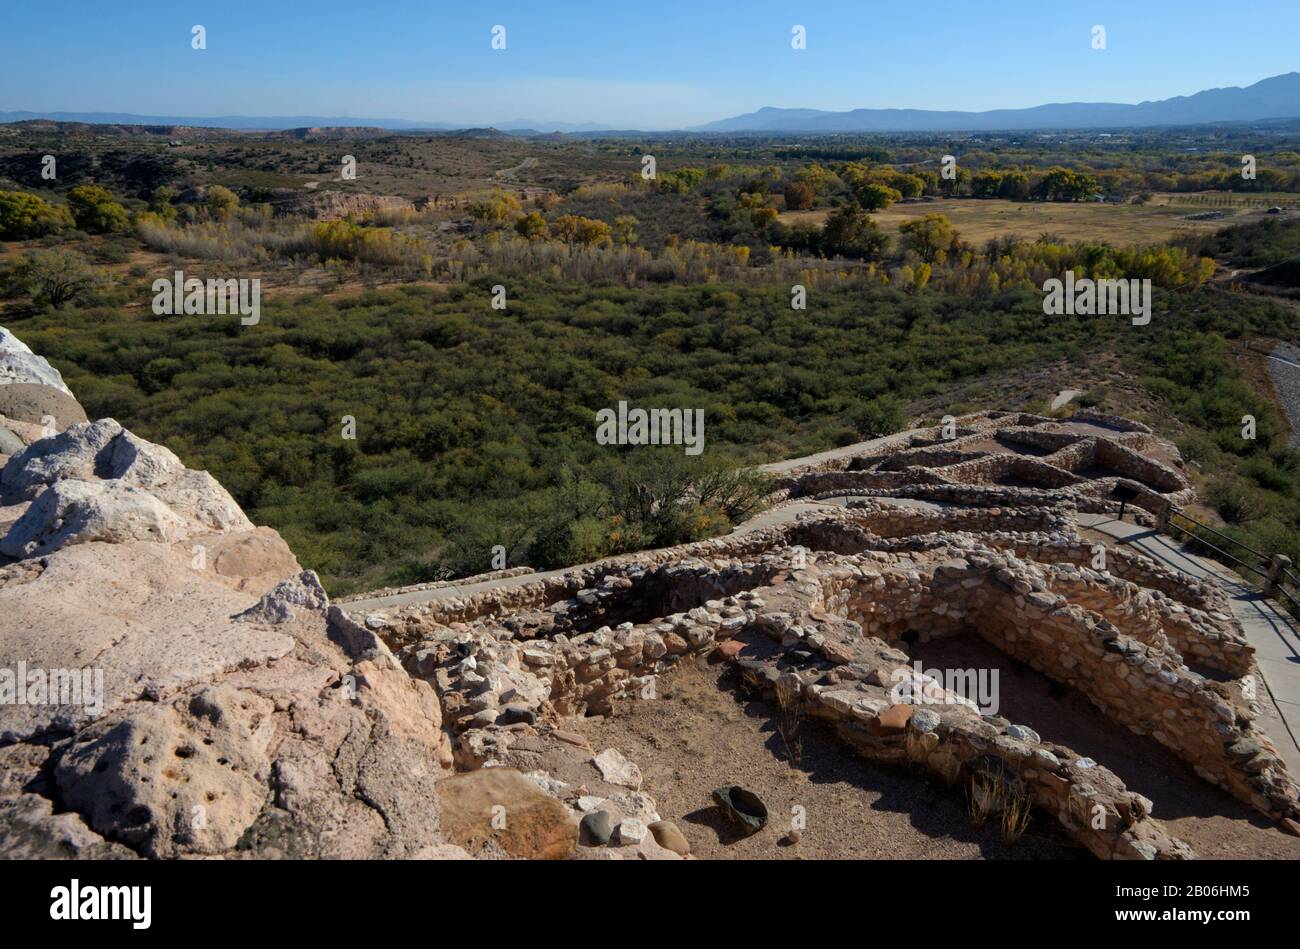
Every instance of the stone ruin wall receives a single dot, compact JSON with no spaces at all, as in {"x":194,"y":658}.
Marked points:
{"x":1195,"y":617}
{"x":923,"y":464}
{"x":850,"y":587}
{"x":946,"y":591}
{"x":1133,"y":677}
{"x":541,"y":593}
{"x":585,"y":673}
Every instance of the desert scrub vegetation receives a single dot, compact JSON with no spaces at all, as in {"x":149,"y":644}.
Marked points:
{"x":53,"y":278}
{"x":1253,"y":484}
{"x":689,"y":225}
{"x":576,"y":247}
{"x":475,"y":427}
{"x":572,"y":248}
{"x":255,"y":238}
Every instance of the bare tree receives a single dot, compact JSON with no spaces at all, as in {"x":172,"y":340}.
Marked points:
{"x":56,"y":277}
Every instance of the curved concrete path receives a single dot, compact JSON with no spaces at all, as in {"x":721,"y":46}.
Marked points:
{"x":1269,"y":628}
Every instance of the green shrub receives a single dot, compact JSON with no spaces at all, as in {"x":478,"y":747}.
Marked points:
{"x":24,"y":216}
{"x":1233,"y":500}
{"x":882,"y":416}
{"x":96,"y":211}
{"x":56,"y":277}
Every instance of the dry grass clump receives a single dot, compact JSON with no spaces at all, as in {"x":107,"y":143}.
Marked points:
{"x":997,"y":795}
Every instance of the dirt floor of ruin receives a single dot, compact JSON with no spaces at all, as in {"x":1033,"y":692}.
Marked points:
{"x":706,"y":728}
{"x":1212,"y":821}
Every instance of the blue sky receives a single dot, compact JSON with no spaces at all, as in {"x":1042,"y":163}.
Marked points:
{"x":626,"y":63}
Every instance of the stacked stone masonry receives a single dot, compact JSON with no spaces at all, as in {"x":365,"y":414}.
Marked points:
{"x":821,"y":610}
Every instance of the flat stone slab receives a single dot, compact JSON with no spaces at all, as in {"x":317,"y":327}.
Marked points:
{"x":137,"y":613}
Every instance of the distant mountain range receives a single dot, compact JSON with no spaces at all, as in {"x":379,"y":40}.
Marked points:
{"x":273,"y":122}
{"x":280,"y":122}
{"x":1275,"y":98}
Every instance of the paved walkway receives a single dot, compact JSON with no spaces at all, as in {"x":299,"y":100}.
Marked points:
{"x":870,"y":447}
{"x":1270,"y":630}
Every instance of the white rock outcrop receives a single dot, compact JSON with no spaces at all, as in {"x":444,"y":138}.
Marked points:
{"x":19,"y":364}
{"x":70,"y":454}
{"x":104,"y":453}
{"x":78,"y":512}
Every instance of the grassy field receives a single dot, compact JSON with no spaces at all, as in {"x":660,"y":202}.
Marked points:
{"x":978,"y":220}
{"x":1225,"y":199}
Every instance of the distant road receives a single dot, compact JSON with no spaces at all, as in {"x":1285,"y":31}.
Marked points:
{"x":1284,"y":367}
{"x":522,"y":166}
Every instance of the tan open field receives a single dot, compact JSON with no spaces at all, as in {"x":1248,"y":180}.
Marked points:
{"x":978,"y":220}
{"x":1205,"y":200}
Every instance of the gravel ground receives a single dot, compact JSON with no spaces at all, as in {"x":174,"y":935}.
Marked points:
{"x":701,"y":733}
{"x":1284,"y":367}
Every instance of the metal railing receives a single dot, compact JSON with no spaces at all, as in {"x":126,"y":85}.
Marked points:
{"x":1272,"y":569}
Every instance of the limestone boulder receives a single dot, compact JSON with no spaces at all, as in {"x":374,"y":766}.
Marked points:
{"x":79,"y":512}
{"x":137,"y":612}
{"x":104,"y":451}
{"x":27,"y":433}
{"x":310,"y":752}
{"x":69,"y":454}
{"x":500,"y":808}
{"x":19,"y":364}
{"x":200,"y":498}
{"x":31,"y":830}
{"x":195,"y":495}
{"x":615,"y":768}
{"x":277,"y":605}
{"x":356,"y":761}
{"x":10,"y":443}
{"x":250,"y":560}
{"x":227,"y":710}
{"x":137,"y":461}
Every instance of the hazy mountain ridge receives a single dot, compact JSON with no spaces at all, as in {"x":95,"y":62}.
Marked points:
{"x":1272,"y":98}
{"x":276,"y":123}
{"x":1277,"y":97}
